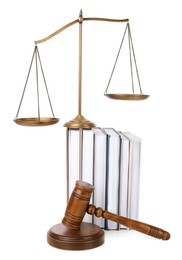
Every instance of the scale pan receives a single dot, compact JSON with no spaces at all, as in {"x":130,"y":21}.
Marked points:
{"x":36,"y":121}
{"x":127,"y":96}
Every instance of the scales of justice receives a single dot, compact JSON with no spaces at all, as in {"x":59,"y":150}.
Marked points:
{"x":79,"y":121}
{"x":72,"y":233}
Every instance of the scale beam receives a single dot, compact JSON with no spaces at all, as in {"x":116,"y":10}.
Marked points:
{"x":57,"y":32}
{"x":77,"y":21}
{"x":106,"y":20}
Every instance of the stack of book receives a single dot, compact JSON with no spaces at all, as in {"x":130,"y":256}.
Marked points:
{"x":110,"y":160}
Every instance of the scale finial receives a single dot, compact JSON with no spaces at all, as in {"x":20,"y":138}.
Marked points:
{"x":81,"y":12}
{"x":80,"y":19}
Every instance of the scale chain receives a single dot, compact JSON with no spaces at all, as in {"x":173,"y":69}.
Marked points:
{"x":116,"y":60}
{"x":45,"y":82}
{"x":129,"y":31}
{"x":25,"y":83}
{"x":36,"y":55}
{"x":131,"y":51}
{"x":37,"y":80}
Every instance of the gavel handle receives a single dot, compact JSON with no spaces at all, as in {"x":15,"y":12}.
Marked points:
{"x":133,"y":224}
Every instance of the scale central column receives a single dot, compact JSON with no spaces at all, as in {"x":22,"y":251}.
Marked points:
{"x":80,"y":66}
{"x":79,"y":121}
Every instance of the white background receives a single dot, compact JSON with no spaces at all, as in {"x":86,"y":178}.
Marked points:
{"x":32,"y":160}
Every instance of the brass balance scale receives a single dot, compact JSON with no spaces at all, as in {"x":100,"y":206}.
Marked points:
{"x":58,"y":237}
{"x":79,"y":121}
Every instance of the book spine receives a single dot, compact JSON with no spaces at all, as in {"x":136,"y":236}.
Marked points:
{"x":113,"y":181}
{"x":124,"y":173}
{"x":87,"y":163}
{"x":134,"y":175}
{"x":99,"y":174}
{"x":87,"y":156}
{"x":79,"y":159}
{"x":72,"y":159}
{"x":134,"y":180}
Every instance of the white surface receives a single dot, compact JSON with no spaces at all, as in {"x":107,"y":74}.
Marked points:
{"x":32,"y":168}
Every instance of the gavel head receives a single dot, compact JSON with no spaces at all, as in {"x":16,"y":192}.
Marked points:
{"x":77,"y":205}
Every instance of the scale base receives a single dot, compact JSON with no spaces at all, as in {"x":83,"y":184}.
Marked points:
{"x":87,"y":237}
{"x":79,"y":122}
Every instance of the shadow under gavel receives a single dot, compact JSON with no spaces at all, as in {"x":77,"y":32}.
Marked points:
{"x":73,"y":234}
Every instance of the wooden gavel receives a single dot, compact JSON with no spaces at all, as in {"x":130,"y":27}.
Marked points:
{"x":78,"y":205}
